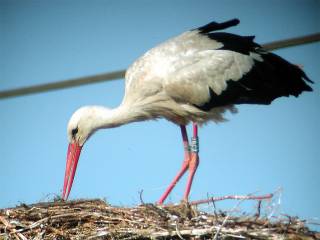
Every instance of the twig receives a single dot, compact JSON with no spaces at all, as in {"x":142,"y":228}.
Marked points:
{"x":178,"y":232}
{"x":12,"y":229}
{"x":214,"y":209}
{"x":258,"y":209}
{"x":233,"y":197}
{"x":226,"y":218}
{"x":197,"y":233}
{"x":241,"y":198}
{"x":140,"y":196}
{"x":5,"y":222}
{"x":61,"y":203}
{"x":99,"y":235}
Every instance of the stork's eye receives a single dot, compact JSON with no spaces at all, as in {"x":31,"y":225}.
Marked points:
{"x":74,"y":132}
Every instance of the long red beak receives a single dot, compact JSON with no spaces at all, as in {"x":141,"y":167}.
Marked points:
{"x":73,"y":155}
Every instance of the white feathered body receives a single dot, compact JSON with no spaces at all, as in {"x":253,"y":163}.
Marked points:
{"x":183,"y":78}
{"x":174,"y":76}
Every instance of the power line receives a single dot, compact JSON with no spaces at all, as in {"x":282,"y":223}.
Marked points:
{"x":120,"y":74}
{"x":292,"y":42}
{"x":62,"y":84}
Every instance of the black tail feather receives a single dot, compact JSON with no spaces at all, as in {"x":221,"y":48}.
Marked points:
{"x":290,"y":79}
{"x":272,"y":78}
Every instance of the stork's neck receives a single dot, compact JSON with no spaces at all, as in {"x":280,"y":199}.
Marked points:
{"x":110,"y":118}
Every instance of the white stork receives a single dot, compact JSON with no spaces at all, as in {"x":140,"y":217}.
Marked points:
{"x":194,"y":77}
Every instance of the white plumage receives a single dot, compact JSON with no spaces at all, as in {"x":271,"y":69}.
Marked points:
{"x":176,"y":75}
{"x":194,"y":77}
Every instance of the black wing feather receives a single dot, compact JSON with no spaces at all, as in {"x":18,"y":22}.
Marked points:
{"x":236,"y":43}
{"x":214,"y":26}
{"x":267,"y":80}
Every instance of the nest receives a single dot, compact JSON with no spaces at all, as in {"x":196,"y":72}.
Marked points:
{"x":95,"y":219}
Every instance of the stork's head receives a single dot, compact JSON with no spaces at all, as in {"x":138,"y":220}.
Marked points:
{"x":80,"y":127}
{"x":83,"y":123}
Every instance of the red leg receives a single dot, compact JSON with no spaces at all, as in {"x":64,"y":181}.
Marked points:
{"x":184,"y":166}
{"x":194,"y":160}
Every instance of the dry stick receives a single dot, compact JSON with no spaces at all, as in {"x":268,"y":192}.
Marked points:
{"x":62,"y":203}
{"x":214,"y":209}
{"x":9,"y":226}
{"x":258,"y":209}
{"x":64,"y":215}
{"x":99,"y":235}
{"x":228,"y":215}
{"x":5,"y":222}
{"x":192,"y":232}
{"x":178,"y":231}
{"x":140,"y":196}
{"x":78,"y":214}
{"x":234,"y":197}
{"x":241,"y":198}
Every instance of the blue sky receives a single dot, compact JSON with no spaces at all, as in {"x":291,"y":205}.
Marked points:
{"x":260,"y":149}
